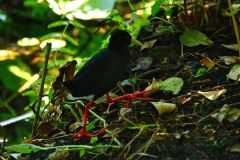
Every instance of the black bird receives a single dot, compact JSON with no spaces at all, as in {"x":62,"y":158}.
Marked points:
{"x":101,"y":73}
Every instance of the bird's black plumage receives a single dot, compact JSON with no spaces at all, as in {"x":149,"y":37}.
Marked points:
{"x":104,"y":70}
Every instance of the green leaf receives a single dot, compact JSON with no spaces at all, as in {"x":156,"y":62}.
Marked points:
{"x":71,"y":40}
{"x":201,"y":71}
{"x":23,"y":148}
{"x":51,"y":35}
{"x":82,"y":153}
{"x":173,"y":84}
{"x":57,"y":24}
{"x":70,"y":51}
{"x":191,"y":38}
{"x":77,"y":24}
{"x":234,"y":73}
{"x":13,"y":79}
{"x":156,"y":6}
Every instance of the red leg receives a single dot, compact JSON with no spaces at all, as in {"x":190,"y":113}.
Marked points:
{"x":83,"y":131}
{"x":130,"y":97}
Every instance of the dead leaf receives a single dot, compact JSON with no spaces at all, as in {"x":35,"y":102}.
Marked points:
{"x":148,"y":44}
{"x":68,"y":70}
{"x":227,"y":113}
{"x":219,"y":116}
{"x":206,"y":62}
{"x":163,"y":107}
{"x":231,"y":46}
{"x":44,"y":129}
{"x":234,"y":148}
{"x":58,"y":155}
{"x":234,"y":73}
{"x":143,"y":63}
{"x":153,"y":87}
{"x":212,"y":95}
{"x":184,"y":100}
{"x":230,"y":59}
{"x":233,"y":114}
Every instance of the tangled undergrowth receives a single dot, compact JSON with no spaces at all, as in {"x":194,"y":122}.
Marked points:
{"x":204,"y":124}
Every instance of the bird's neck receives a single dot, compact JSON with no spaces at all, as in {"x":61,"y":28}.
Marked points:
{"x":119,"y":49}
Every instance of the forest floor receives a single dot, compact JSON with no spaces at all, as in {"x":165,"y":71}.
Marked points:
{"x":203,"y":125}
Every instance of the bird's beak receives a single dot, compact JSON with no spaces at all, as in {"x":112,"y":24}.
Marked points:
{"x":136,"y":42}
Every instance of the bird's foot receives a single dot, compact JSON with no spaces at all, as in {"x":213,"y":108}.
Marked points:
{"x":130,"y":97}
{"x":84,"y":133}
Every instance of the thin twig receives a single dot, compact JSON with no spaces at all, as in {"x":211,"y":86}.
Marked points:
{"x":40,"y":95}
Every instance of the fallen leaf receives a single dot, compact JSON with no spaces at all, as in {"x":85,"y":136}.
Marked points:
{"x":164,"y":108}
{"x":234,"y":148}
{"x":191,"y":38}
{"x":58,"y":155}
{"x":219,"y":116}
{"x":44,"y":129}
{"x":227,"y":113}
{"x":234,"y":73}
{"x":70,"y":69}
{"x":233,"y":114}
{"x":66,"y":70}
{"x":148,"y":44}
{"x":230,"y":59}
{"x":153,"y":87}
{"x":231,"y":46}
{"x":212,"y":95}
{"x":173,"y":84}
{"x":206,"y":62}
{"x":184,"y":100}
{"x":143,"y":63}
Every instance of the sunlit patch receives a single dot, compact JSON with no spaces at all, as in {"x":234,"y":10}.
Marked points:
{"x":3,"y":16}
{"x":28,"y":83}
{"x":56,"y":43}
{"x":7,"y":54}
{"x":2,"y":140}
{"x":25,"y":42}
{"x":19,"y":72}
{"x":84,"y":9}
{"x":45,"y":99}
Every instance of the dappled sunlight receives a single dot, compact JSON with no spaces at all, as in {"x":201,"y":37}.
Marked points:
{"x":84,"y":9}
{"x":56,"y":43}
{"x":25,"y":42}
{"x":8,"y":54}
{"x":19,"y":72}
{"x":27,"y":84}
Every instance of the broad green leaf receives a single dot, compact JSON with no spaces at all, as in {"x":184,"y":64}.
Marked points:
{"x":58,"y":23}
{"x":173,"y":84}
{"x":156,"y":6}
{"x":191,"y":38}
{"x":234,"y":73}
{"x":23,"y":148}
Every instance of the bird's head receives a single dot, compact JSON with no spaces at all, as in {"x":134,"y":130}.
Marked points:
{"x":119,"y":40}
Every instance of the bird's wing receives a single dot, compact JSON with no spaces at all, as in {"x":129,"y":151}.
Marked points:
{"x":99,"y":74}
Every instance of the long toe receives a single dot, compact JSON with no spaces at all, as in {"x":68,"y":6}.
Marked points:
{"x":84,"y":133}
